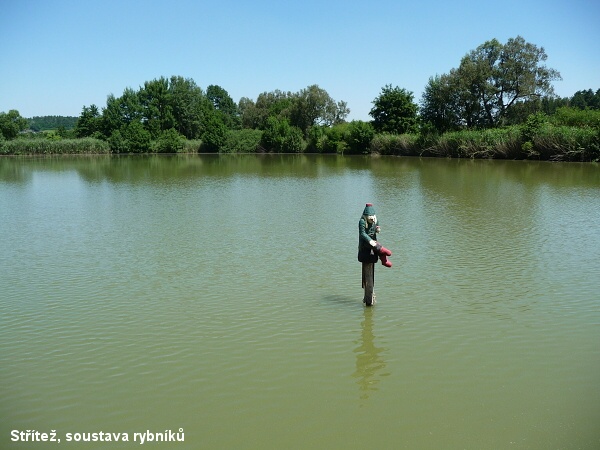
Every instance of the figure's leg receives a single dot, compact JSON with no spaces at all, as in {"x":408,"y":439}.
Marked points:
{"x":368,"y":274}
{"x":384,"y":260}
{"x":383,"y":254}
{"x":382,"y":250}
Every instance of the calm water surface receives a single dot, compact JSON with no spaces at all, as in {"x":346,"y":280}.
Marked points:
{"x":222,"y":296}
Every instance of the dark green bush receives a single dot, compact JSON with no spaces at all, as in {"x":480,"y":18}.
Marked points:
{"x":279,"y":136}
{"x":132,"y":138}
{"x":334,"y":140}
{"x":242,"y":141}
{"x":532,"y":126}
{"x":117,"y":142}
{"x":213,"y":138}
{"x":358,"y":137}
{"x":573,"y":117}
{"x":169,"y":141}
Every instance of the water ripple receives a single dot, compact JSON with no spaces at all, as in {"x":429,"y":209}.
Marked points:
{"x":123,"y":307}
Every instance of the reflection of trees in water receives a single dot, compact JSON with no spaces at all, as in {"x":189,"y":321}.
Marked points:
{"x":153,"y":168}
{"x":447,"y":178}
{"x":13,"y":173}
{"x":369,"y":358}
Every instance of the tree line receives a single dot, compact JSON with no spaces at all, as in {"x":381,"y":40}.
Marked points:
{"x":46,"y":123}
{"x":498,"y":102}
{"x":166,"y":110}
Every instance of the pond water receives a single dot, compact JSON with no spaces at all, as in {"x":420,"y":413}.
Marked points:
{"x":221,"y":296}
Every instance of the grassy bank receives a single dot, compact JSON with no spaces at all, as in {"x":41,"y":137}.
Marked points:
{"x":43,"y":146}
{"x":535,"y":140}
{"x":549,"y":143}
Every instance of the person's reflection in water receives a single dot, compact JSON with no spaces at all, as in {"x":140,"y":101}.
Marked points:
{"x":369,"y":360}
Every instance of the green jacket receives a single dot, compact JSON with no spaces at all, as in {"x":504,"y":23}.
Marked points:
{"x":366,"y":232}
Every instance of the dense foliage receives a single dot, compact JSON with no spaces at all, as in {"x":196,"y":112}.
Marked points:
{"x":54,"y":146}
{"x":394,"y":111}
{"x":498,"y":103}
{"x":586,"y":99}
{"x":489,"y":81}
{"x":45,"y":123}
{"x":11,"y":124}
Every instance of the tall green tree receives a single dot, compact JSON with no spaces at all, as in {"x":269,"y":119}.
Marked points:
{"x":11,"y":124}
{"x":159,"y":105}
{"x":394,"y":111}
{"x":248,"y":113}
{"x":314,"y":106}
{"x":276,"y":104}
{"x":437,"y":105}
{"x":586,"y":99}
{"x":309,"y":107}
{"x":447,"y":105}
{"x":89,"y":122}
{"x":156,"y":106}
{"x":190,"y":107}
{"x":215,"y":133}
{"x":121,"y":111}
{"x":491,"y":80}
{"x":225,"y":105}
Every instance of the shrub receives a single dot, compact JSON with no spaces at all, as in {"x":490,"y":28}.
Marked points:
{"x":564,"y":143}
{"x":358,"y":137}
{"x":449,"y":145}
{"x":169,"y":141}
{"x":503,"y":143}
{"x":214,"y":135}
{"x":294,"y":143}
{"x":334,"y":140}
{"x":134,"y":138}
{"x":242,"y":141}
{"x":574,"y":117}
{"x":532,"y":126}
{"x":280,"y":136}
{"x":324,"y":139}
{"x":395,"y":144}
{"x":117,"y":143}
{"x":490,"y":143}
{"x":192,"y":145}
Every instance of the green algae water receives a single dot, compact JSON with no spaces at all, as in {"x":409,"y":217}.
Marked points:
{"x":215,"y":302}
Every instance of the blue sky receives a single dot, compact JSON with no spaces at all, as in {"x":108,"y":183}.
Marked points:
{"x":58,"y":56}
